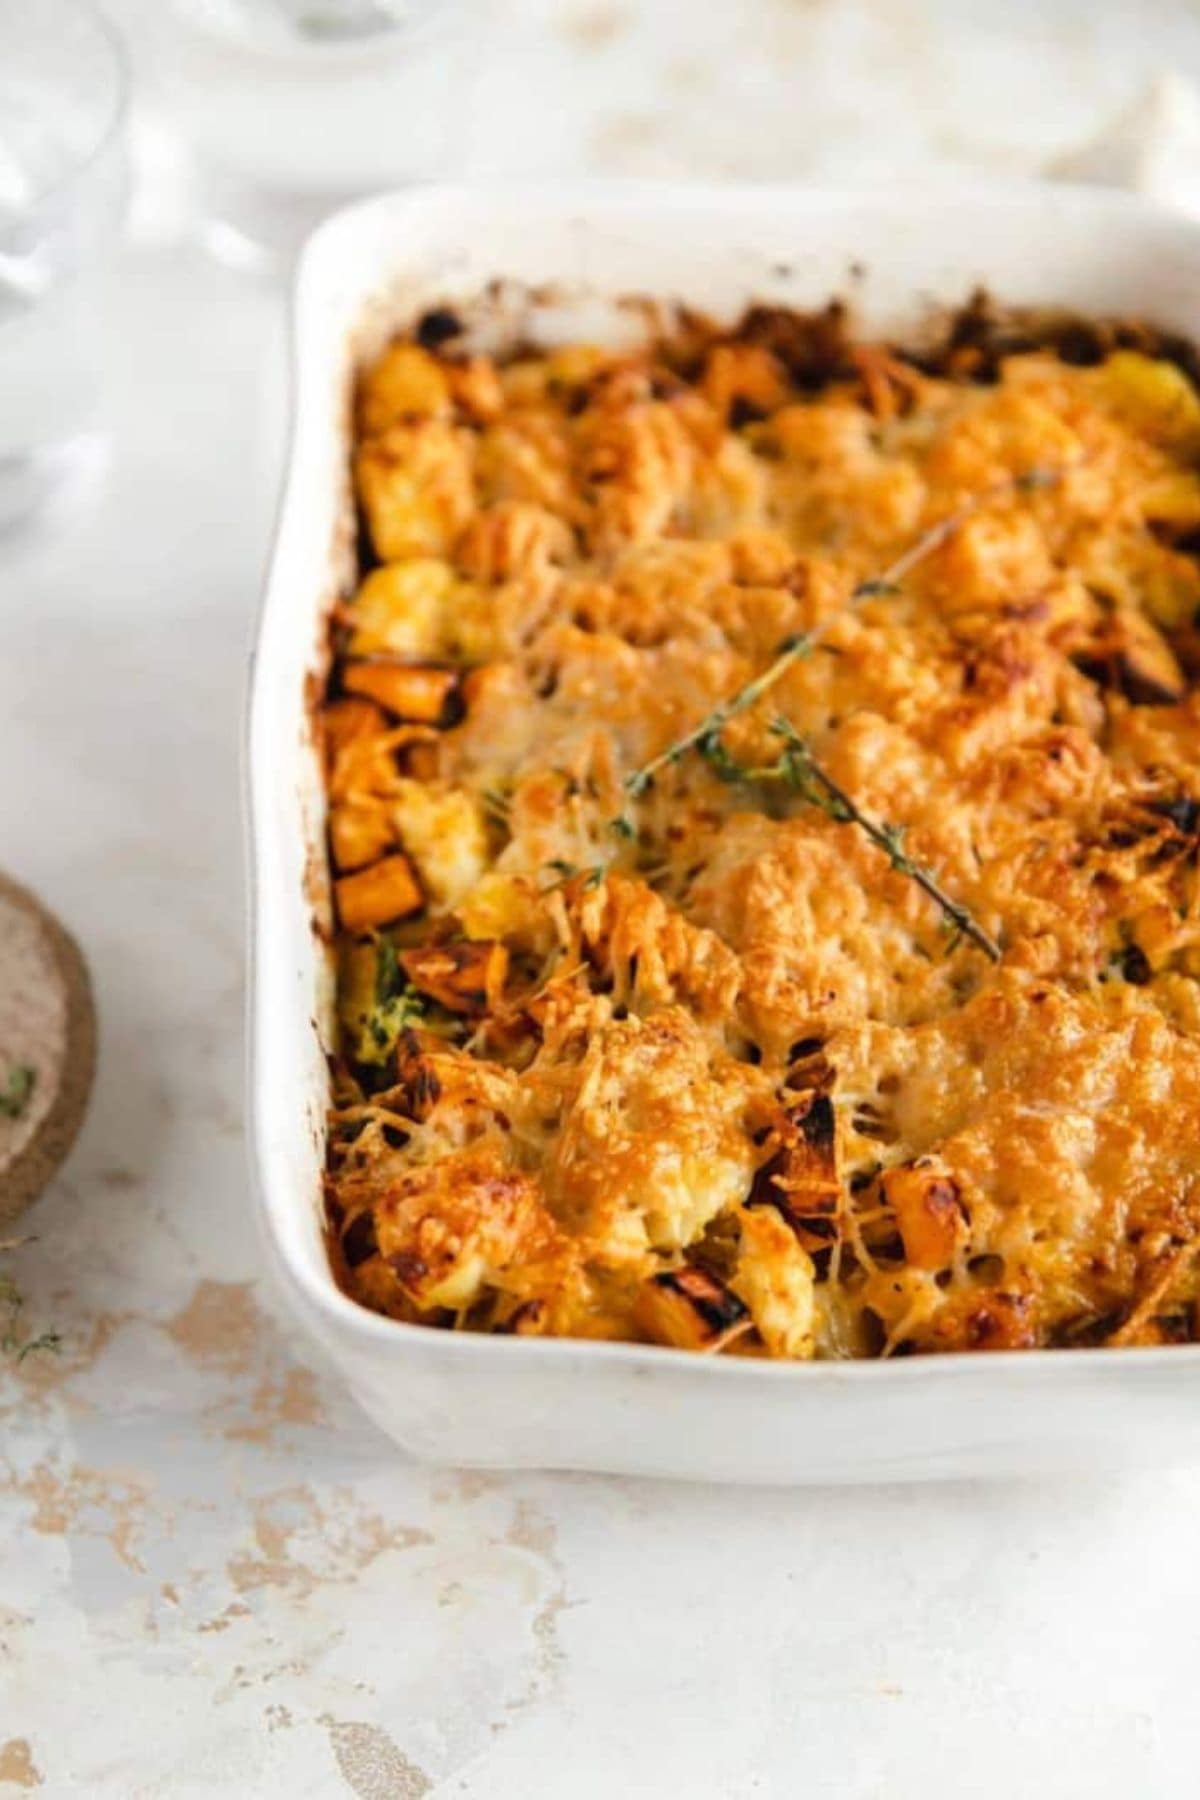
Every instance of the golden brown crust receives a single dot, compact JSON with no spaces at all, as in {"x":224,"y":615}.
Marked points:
{"x":697,"y":1063}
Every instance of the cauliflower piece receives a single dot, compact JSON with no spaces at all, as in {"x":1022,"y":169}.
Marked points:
{"x":415,"y":482}
{"x":774,"y":1276}
{"x":499,"y":906}
{"x":400,"y":608}
{"x":443,"y":831}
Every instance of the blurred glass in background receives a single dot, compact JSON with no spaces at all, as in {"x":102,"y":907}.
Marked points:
{"x":63,"y":95}
{"x":288,"y":108}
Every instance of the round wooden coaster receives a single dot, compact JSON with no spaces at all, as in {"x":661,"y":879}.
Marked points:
{"x":47,"y":1045}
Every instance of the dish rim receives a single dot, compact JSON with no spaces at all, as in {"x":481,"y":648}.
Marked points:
{"x":334,"y":1315}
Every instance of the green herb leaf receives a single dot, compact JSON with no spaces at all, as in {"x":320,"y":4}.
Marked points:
{"x":498,"y":805}
{"x":11,"y":1341}
{"x":389,"y":975}
{"x":797,"y":765}
{"x":397,"y":1007}
{"x":46,"y":1341}
{"x":14,"y":1096}
{"x":712,"y":748}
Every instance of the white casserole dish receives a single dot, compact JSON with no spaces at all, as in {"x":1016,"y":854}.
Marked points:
{"x":522,"y":1402}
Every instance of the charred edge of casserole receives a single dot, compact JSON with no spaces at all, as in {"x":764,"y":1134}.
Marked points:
{"x":967,"y":342}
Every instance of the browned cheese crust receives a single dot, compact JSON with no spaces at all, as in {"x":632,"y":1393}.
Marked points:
{"x":692,"y":1061}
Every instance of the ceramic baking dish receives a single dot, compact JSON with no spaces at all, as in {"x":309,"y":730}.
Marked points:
{"x":523,"y":1402}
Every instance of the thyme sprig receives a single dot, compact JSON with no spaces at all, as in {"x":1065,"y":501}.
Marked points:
{"x":797,"y":765}
{"x":799,"y":645}
{"x":13,"y":1340}
{"x":800,"y":770}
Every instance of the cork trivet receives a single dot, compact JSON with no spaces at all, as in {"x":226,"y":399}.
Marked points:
{"x":47,"y":1045}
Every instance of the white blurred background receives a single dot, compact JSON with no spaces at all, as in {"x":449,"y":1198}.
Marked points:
{"x":756,"y":89}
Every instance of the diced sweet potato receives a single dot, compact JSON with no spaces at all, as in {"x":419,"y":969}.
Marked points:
{"x":422,"y":693}
{"x":744,"y":380}
{"x":359,"y":833}
{"x":800,"y":1177}
{"x":1002,"y":1322}
{"x":406,"y":383}
{"x":421,"y":761}
{"x":387,"y":890}
{"x":930,"y":1213}
{"x":690,"y":1310}
{"x":349,"y":721}
{"x":466,"y":977}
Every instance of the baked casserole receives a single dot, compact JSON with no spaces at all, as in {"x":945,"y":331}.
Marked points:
{"x":764,"y":807}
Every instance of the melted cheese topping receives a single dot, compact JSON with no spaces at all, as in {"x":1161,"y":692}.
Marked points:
{"x":723,"y":1080}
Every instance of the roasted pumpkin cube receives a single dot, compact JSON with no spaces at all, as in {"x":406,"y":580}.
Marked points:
{"x":388,"y":890}
{"x":689,"y":1309}
{"x":744,"y":381}
{"x":422,"y":693}
{"x":800,"y":1177}
{"x":1002,"y":1322}
{"x":421,"y":761}
{"x":930,"y":1213}
{"x":347,"y":722}
{"x":360,"y":832}
{"x":405,"y":383}
{"x":466,"y":977}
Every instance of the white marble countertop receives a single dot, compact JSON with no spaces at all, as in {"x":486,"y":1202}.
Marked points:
{"x":215,"y":1576}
